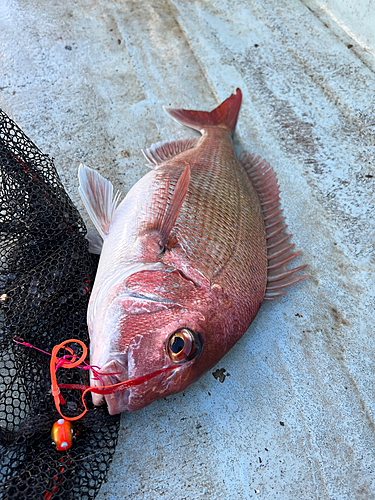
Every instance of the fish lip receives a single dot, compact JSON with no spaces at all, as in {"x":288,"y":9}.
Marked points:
{"x":114,"y":371}
{"x":118,"y":401}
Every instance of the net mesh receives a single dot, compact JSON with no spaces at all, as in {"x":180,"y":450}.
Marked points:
{"x":46,"y":275}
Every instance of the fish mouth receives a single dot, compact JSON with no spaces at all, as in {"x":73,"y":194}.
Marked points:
{"x":114,"y":371}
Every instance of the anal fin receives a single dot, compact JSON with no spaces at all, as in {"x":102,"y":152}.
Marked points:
{"x":279,"y":249}
{"x":162,"y":151}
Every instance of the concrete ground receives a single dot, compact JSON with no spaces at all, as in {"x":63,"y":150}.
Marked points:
{"x":86,"y":79}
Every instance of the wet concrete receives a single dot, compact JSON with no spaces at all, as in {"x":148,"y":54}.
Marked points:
{"x":87,"y":80}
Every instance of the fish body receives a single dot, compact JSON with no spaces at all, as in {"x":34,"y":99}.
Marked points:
{"x":183,"y":267}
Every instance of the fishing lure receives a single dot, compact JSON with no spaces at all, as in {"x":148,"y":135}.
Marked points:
{"x":62,"y":431}
{"x":62,"y":434}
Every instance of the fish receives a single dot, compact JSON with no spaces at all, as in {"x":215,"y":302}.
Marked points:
{"x":187,"y":259}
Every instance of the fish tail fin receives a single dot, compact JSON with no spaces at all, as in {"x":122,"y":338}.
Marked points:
{"x":224,"y":115}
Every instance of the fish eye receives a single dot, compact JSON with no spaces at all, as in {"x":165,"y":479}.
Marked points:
{"x":177,"y":344}
{"x":183,"y":345}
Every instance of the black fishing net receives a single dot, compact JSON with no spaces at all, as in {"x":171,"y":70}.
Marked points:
{"x":46,"y":275}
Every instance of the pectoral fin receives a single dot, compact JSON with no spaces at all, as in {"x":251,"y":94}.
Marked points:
{"x":178,"y":197}
{"x":165,"y":207}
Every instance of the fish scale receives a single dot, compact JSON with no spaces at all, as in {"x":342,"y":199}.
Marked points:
{"x":232,"y":208}
{"x":187,"y":259}
{"x":213,"y":199}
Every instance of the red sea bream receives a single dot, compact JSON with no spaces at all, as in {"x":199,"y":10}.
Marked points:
{"x":187,"y":259}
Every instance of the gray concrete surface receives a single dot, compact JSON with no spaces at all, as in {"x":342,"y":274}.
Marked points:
{"x":355,"y":17}
{"x":86,"y":79}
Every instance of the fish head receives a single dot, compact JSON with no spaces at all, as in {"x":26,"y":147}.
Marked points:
{"x":159,"y":320}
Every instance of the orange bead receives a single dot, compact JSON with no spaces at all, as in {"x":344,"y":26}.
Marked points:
{"x":62,"y":434}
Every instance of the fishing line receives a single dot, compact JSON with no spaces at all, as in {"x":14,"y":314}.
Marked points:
{"x":71,"y":360}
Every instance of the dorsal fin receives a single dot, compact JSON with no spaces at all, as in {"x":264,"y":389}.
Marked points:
{"x":97,"y":195}
{"x":162,"y":151}
{"x":279,"y":249}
